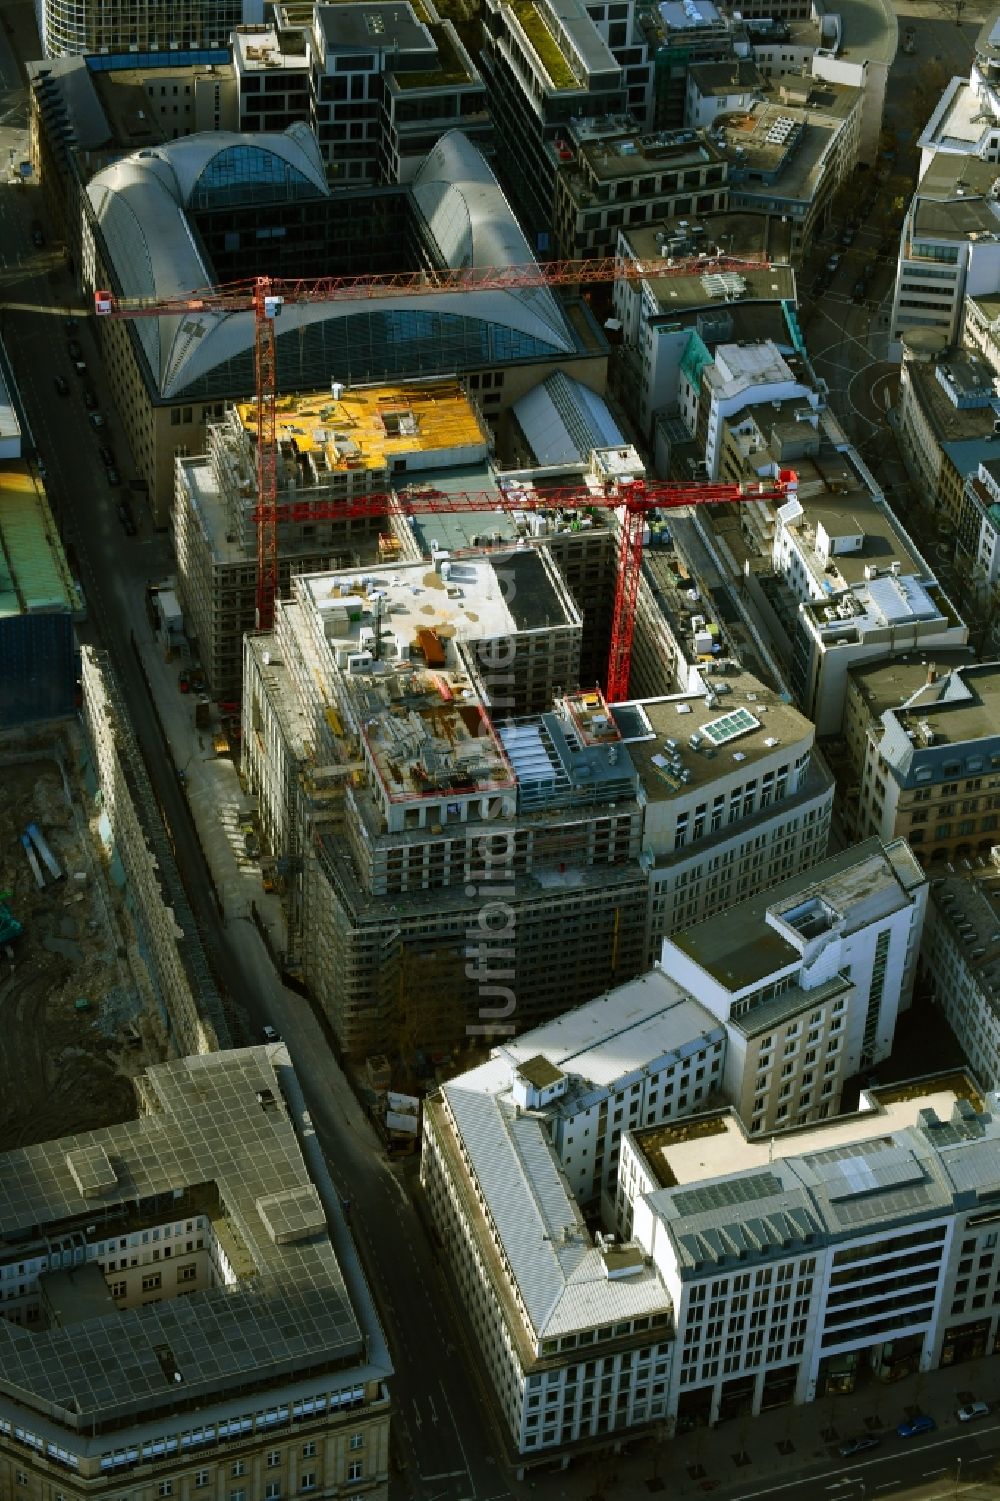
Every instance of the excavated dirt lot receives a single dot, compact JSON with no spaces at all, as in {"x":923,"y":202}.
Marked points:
{"x":63,"y":1070}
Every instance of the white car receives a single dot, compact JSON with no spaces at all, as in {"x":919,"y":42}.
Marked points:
{"x":973,"y":1410}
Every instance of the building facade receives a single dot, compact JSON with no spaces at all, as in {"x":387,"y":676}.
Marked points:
{"x":960,"y":962}
{"x":798,"y":1265}
{"x":808,"y":978}
{"x":927,"y":750}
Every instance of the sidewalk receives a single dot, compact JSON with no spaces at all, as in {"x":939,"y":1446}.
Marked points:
{"x":757,"y":1456}
{"x":213,"y":792}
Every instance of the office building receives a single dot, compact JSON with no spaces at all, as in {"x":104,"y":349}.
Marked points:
{"x":642,"y":1054}
{"x":789,"y":155}
{"x":734,"y":794}
{"x":575,"y":1330}
{"x":924,"y":737}
{"x":960,"y":961}
{"x":66,"y":28}
{"x":386,"y":82}
{"x":977,"y":543}
{"x":610,"y":171}
{"x":852,"y":587}
{"x":172,"y":375}
{"x":966,"y":121}
{"x":949,"y":248}
{"x":948,"y":417}
{"x":271,"y":68}
{"x":183,"y":1308}
{"x":801,"y":1264}
{"x":545,"y":64}
{"x":679,"y":37}
{"x":672,"y":323}
{"x":330,"y":448}
{"x":807,"y":977}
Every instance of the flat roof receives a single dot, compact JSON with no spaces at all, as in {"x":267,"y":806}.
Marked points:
{"x":34,"y":574}
{"x":857,"y":513}
{"x":205,"y":1133}
{"x":948,"y":422}
{"x":869,"y":31}
{"x":693,"y":1157}
{"x":857,"y":884}
{"x":917,"y":1151}
{"x":374,"y":427}
{"x":888,"y":684}
{"x":261,"y":49}
{"x":960,"y":706}
{"x":381,"y":25}
{"x":647,"y":725}
{"x":631,"y":153}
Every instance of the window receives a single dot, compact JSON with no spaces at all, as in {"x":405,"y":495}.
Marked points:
{"x":152,"y":1282}
{"x":309,"y":1449}
{"x":356,"y":1441}
{"x":273,"y":1458}
{"x":22,"y":1478}
{"x":165,"y":1488}
{"x":356,"y":1469}
{"x":239,"y":1467}
{"x":272,"y":1490}
{"x":119,"y":1289}
{"x":239,"y":1495}
{"x":308,"y":1481}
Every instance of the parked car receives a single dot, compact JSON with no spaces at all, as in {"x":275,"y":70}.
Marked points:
{"x":915,"y":1426}
{"x":89,"y":399}
{"x":270,"y":1034}
{"x":97,"y":421}
{"x":973,"y":1410}
{"x":75,"y":352}
{"x":184,"y":680}
{"x":251,"y":845}
{"x":858,"y":295}
{"x":80,"y":368}
{"x":62,"y":385}
{"x":71,"y":327}
{"x":107,"y":456}
{"x":126,"y":519}
{"x":114,"y":479}
{"x":833,"y":262}
{"x":37,"y":239}
{"x":859,"y":1444}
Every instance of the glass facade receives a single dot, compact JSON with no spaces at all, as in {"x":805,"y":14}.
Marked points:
{"x":248,"y":174}
{"x":385,"y":344}
{"x":140,"y":26}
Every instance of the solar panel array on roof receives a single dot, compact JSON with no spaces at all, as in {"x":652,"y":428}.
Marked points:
{"x":743,"y":1190}
{"x":729,"y":726}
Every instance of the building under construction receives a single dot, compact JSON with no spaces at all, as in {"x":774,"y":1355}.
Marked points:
{"x":333,"y":446}
{"x":460,"y":826}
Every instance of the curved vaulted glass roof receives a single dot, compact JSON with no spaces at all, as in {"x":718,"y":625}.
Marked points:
{"x":141,"y":207}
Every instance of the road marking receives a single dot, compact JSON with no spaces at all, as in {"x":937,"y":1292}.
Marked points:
{"x":444,"y":1475}
{"x":930,"y":1474}
{"x":434,"y":1416}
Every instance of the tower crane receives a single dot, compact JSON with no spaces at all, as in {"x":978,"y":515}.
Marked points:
{"x":265,"y":296}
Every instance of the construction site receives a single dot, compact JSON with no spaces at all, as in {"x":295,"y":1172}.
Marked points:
{"x":76,"y":1009}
